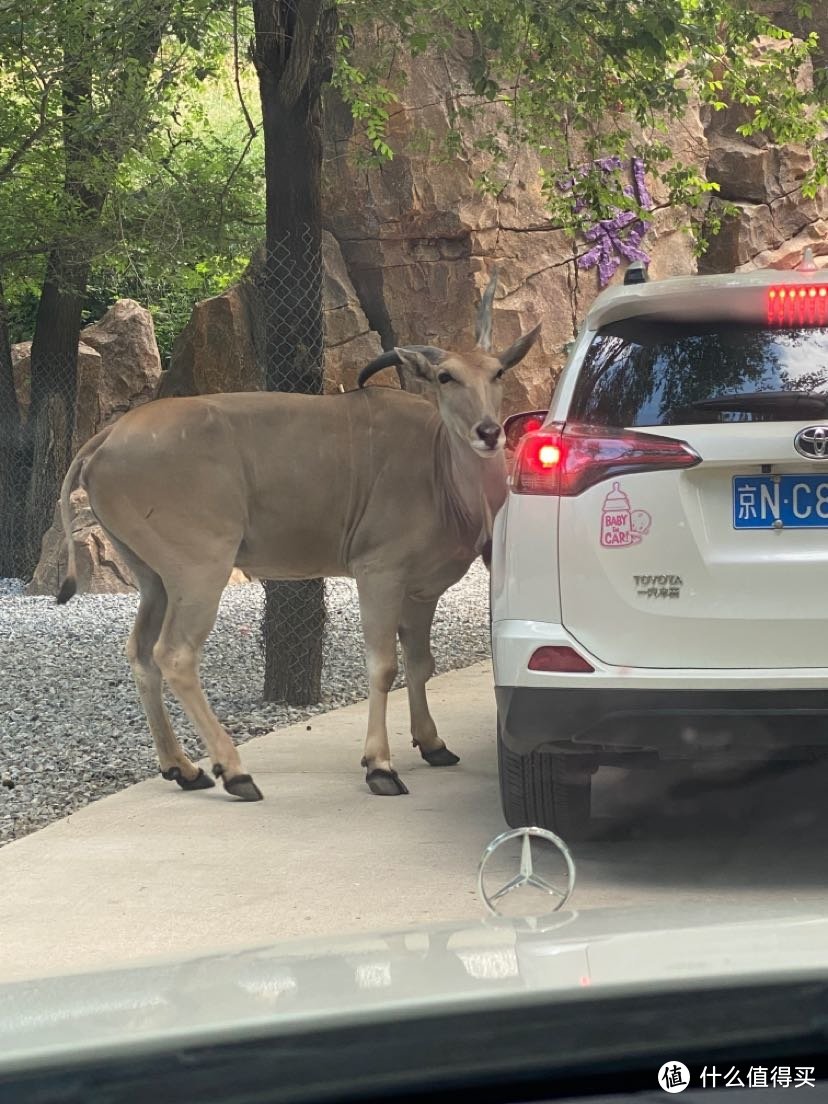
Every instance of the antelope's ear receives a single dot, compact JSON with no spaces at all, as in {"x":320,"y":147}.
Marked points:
{"x":516,"y":352}
{"x":416,"y":362}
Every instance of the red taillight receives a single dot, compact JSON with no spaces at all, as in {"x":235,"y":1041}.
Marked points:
{"x":538,"y":462}
{"x":567,"y":461}
{"x":559,"y":658}
{"x":798,"y":305}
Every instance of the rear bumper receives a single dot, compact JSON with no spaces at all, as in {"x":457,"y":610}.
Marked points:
{"x":514,"y":641}
{"x":611,"y":725}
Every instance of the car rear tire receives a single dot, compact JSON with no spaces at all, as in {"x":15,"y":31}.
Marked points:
{"x":542,"y":790}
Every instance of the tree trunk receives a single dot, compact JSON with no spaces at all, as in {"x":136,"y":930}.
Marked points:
{"x":51,"y":420}
{"x":93,"y":146}
{"x":293,"y":50}
{"x":12,"y":471}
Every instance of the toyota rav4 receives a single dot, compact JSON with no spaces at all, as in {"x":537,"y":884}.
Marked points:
{"x":659,"y":570}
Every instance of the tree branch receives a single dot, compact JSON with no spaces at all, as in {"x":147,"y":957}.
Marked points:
{"x":43,"y":124}
{"x":226,"y":188}
{"x":236,"y":73}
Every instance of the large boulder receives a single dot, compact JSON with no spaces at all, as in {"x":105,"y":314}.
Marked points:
{"x":221,"y":347}
{"x":131,"y":364}
{"x":118,"y":367}
{"x":101,"y":569}
{"x":215,"y":351}
{"x":90,"y":366}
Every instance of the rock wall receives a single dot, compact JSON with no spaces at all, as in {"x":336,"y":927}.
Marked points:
{"x":419,"y":239}
{"x":410,"y":246}
{"x":775,"y":222}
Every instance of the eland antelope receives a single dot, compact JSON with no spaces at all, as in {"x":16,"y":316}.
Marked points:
{"x":395,"y":490}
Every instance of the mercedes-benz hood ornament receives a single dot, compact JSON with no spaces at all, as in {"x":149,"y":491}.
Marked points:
{"x":526,"y":875}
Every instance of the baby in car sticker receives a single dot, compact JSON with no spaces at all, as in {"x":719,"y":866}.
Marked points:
{"x":621,"y":526}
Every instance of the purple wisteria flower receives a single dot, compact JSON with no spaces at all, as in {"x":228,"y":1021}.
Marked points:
{"x":619,"y":237}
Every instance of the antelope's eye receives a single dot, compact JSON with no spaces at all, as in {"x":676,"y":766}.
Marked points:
{"x":445,"y":377}
{"x":499,"y":375}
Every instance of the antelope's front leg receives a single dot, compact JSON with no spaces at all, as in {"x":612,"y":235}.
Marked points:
{"x":415,"y":637}
{"x":380,"y":603}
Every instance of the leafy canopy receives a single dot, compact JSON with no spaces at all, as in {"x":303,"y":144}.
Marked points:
{"x":155,"y":124}
{"x":582,"y":80}
{"x":153,"y":90}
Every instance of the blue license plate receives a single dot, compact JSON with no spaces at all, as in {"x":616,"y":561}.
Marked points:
{"x":797,"y":501}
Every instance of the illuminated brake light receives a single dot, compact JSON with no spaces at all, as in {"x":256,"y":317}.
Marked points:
{"x":798,"y":306}
{"x":567,"y":461}
{"x":537,"y":463}
{"x":549,"y":456}
{"x":560,"y":658}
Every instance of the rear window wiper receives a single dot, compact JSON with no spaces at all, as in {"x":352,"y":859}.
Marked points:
{"x":795,"y":404}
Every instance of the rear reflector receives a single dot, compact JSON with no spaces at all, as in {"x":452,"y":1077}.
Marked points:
{"x":798,"y":305}
{"x":567,"y":460}
{"x":560,"y":658}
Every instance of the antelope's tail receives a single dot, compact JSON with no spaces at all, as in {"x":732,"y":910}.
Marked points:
{"x":70,"y":583}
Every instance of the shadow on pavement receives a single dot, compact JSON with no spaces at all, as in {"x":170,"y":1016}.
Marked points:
{"x":764,"y":827}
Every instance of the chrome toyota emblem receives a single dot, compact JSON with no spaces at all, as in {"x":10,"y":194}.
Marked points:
{"x":526,"y":875}
{"x":812,"y":442}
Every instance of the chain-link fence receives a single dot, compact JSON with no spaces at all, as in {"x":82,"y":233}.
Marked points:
{"x":40,"y":430}
{"x":51,"y":405}
{"x":289,"y":300}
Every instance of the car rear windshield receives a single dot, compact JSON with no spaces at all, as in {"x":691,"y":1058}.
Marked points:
{"x":650,"y":372}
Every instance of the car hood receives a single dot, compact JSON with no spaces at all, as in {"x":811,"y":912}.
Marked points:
{"x":293,"y":986}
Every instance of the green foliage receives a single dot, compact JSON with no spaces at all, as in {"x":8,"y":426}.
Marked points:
{"x":154,"y":126}
{"x":169,"y":296}
{"x":139,"y":103}
{"x":369,"y":100}
{"x":583,"y":79}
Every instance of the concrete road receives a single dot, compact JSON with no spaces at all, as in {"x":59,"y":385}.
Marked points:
{"x":154,"y":872}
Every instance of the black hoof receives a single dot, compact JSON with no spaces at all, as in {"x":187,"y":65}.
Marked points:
{"x":440,"y":757}
{"x":201,"y":781}
{"x":243,"y":787}
{"x":385,"y":783}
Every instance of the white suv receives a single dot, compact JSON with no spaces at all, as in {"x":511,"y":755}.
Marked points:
{"x":660,"y":567}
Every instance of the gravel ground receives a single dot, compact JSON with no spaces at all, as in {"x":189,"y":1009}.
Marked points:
{"x":71,"y":726}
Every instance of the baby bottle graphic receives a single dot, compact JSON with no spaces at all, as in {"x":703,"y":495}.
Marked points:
{"x":621,"y":526}
{"x":616,"y":519}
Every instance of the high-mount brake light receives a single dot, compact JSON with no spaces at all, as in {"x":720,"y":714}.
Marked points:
{"x":798,"y":305}
{"x":567,"y":460}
